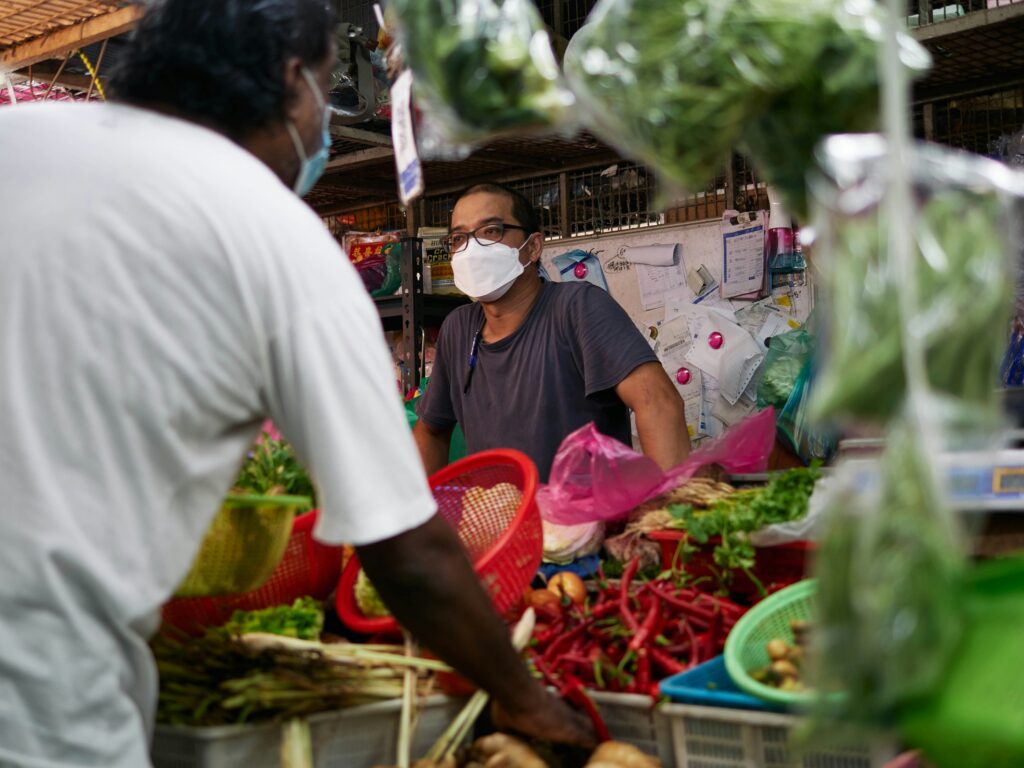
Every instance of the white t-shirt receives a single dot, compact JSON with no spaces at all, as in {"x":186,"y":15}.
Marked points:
{"x":161,"y":293}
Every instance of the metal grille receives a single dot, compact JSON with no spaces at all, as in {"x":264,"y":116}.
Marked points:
{"x":543,"y":193}
{"x":574,"y":13}
{"x":708,"y":203}
{"x":611,"y":198}
{"x":750,"y":193}
{"x":921,"y":13}
{"x":379,"y":218}
{"x":975,"y":123}
{"x":438,"y":210}
{"x":360,"y":13}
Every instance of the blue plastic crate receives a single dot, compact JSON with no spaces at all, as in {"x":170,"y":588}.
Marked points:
{"x":709,"y":685}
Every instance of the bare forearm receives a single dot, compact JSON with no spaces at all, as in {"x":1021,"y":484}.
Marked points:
{"x":433,"y":446}
{"x":663,"y":433}
{"x":426,"y":580}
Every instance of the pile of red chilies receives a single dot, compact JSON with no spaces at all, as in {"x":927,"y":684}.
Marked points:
{"x":628,"y":636}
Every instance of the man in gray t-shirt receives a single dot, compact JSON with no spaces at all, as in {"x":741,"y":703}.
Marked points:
{"x":530,"y":362}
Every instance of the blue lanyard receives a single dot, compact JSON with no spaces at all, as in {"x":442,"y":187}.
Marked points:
{"x":473,"y":351}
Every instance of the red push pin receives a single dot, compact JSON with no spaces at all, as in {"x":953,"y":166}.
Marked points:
{"x":580,"y":270}
{"x":716,"y":340}
{"x":683,"y":376}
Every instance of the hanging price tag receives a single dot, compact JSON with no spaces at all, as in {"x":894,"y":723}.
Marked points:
{"x":407,"y":160}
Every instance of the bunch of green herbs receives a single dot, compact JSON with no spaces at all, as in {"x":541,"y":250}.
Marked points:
{"x":273,"y":469}
{"x":735,"y":517}
{"x":303,"y":619}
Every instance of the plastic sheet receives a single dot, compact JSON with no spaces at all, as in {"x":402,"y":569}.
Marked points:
{"x":596,"y":478}
{"x":679,"y":85}
{"x":482,"y":68}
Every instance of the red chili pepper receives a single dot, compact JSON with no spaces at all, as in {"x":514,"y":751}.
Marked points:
{"x":604,"y":610}
{"x":627,"y":577}
{"x":643,"y":672}
{"x":572,"y":691}
{"x":691,"y":636}
{"x":713,"y":635}
{"x":565,"y":641}
{"x":553,"y":631}
{"x":649,"y":628}
{"x":665,"y":662}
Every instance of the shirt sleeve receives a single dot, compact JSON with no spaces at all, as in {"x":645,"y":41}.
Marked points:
{"x":333,"y":395}
{"x":435,"y":405}
{"x":606,"y":345}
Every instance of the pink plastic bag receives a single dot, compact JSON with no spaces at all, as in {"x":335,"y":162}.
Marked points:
{"x":596,"y":478}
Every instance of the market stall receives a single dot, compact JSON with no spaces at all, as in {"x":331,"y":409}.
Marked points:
{"x":783,"y":597}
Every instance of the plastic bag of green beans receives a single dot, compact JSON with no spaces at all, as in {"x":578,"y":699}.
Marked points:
{"x":963,"y":233}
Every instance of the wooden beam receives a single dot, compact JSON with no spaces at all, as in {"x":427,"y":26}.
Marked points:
{"x":60,"y":41}
{"x":363,"y":157}
{"x":46,"y":74}
{"x":360,"y":135}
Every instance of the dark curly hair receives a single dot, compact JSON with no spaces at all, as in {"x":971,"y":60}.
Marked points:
{"x":221,"y":62}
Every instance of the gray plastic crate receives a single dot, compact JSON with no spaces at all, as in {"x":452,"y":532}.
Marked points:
{"x":636,"y":720}
{"x":360,"y":737}
{"x":715,"y":737}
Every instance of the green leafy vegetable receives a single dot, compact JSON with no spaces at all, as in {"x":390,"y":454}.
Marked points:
{"x":485,"y":66}
{"x":303,"y":619}
{"x":733,"y":518}
{"x":273,"y":469}
{"x":679,"y":85}
{"x":368,"y":599}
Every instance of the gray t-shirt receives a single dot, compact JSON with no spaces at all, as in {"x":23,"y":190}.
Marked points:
{"x":555,"y":374}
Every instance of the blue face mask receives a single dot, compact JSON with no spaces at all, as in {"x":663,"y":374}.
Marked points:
{"x":311,"y":168}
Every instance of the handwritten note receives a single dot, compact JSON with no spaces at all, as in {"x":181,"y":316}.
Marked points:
{"x":656,"y":282}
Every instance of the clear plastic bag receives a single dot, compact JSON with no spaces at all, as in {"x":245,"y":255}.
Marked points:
{"x":482,"y":68}
{"x":595,"y":477}
{"x":962,"y":236}
{"x":915,"y":335}
{"x":679,"y":85}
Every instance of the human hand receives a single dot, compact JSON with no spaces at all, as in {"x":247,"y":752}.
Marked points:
{"x":546,"y":718}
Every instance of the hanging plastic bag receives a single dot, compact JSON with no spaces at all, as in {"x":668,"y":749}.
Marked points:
{"x":797,"y":429}
{"x":595,"y":477}
{"x":963,"y":235}
{"x":787,"y":356}
{"x":679,"y":85}
{"x":482,"y":68}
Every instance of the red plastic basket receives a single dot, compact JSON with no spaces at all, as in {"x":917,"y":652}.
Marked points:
{"x":500,"y":528}
{"x":776,"y":567}
{"x":308,"y":568}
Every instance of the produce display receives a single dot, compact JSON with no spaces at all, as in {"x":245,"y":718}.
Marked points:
{"x":624,"y":636}
{"x":787,"y":666}
{"x":717,"y":515}
{"x":680,"y":85}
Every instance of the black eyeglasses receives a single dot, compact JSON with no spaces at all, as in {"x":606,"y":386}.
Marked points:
{"x":485,"y":234}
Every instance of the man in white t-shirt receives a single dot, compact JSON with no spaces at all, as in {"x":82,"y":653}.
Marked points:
{"x":162,"y":291}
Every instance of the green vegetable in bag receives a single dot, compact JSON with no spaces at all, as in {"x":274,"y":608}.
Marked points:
{"x":482,"y":67}
{"x":680,"y":85}
{"x":889,"y":572}
{"x":961,"y":275}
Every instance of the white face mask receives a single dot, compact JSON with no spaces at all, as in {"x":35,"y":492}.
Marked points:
{"x":486,"y":272}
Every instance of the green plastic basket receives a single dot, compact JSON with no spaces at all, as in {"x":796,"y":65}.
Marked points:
{"x":745,"y":647}
{"x":976,"y":718}
{"x":243,"y":545}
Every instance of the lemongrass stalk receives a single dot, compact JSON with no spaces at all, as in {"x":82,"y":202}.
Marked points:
{"x":296,"y":744}
{"x":405,"y":720}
